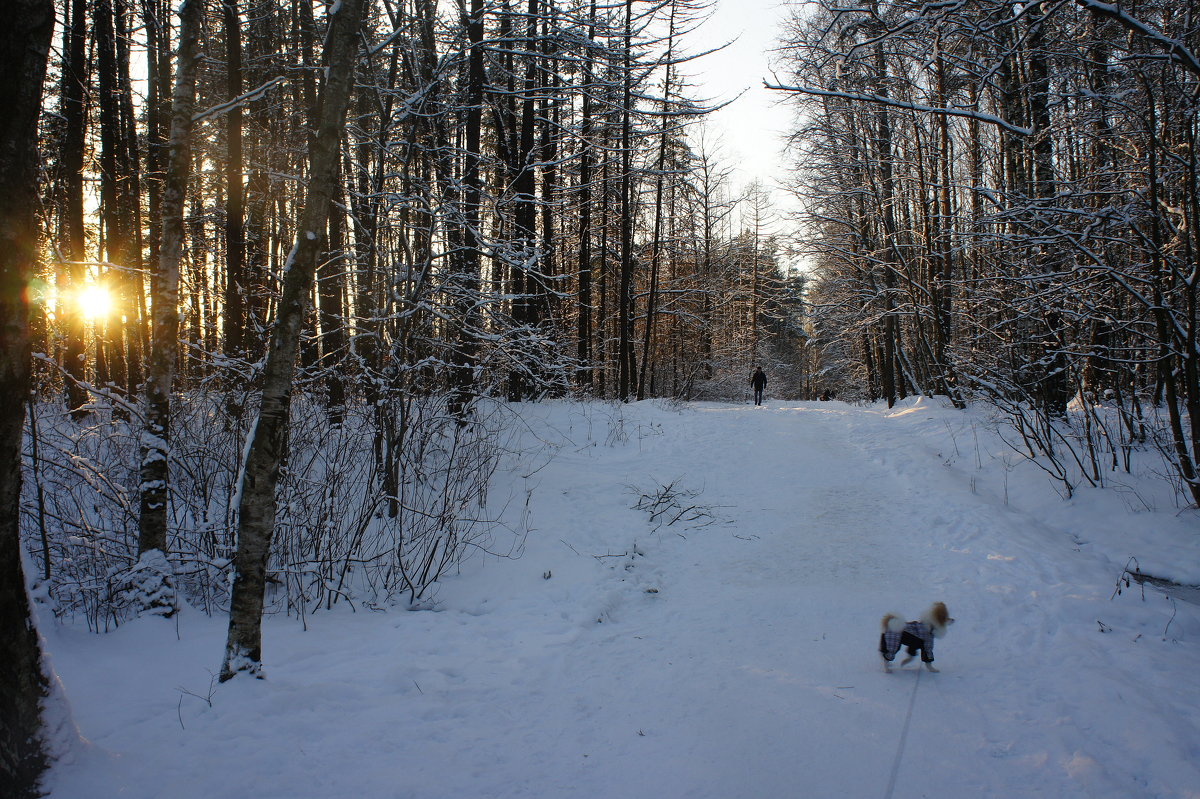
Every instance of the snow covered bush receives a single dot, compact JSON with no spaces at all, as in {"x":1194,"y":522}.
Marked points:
{"x":375,"y":508}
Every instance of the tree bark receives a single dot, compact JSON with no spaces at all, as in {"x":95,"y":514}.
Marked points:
{"x":152,"y":528}
{"x":158,"y":79}
{"x":24,"y":50}
{"x":117,"y":201}
{"x":526,"y":285}
{"x":584,"y":326}
{"x":626,"y":366}
{"x":467,"y":301}
{"x":268,"y":438}
{"x":888,"y":215}
{"x":331,"y":309}
{"x":656,"y":239}
{"x":235,"y":194}
{"x":74,"y":237}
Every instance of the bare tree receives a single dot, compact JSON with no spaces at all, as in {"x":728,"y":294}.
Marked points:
{"x":152,"y":538}
{"x":268,"y":442}
{"x":1067,"y":281}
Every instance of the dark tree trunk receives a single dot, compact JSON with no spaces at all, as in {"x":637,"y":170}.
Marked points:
{"x":234,"y":318}
{"x":117,"y":201}
{"x":133,"y":288}
{"x":158,"y":79}
{"x":74,"y":111}
{"x":584,"y":331}
{"x":305,"y":32}
{"x":24,"y":49}
{"x":656,"y":240}
{"x":1054,"y":380}
{"x":268,"y":438}
{"x":525,"y":282}
{"x":467,"y":310}
{"x":331,"y":280}
{"x":626,"y":368}
{"x":888,"y":365}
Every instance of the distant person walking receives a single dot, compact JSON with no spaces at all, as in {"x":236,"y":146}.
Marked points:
{"x":758,"y":381}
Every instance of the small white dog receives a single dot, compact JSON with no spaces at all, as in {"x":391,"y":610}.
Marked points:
{"x":917,"y":636}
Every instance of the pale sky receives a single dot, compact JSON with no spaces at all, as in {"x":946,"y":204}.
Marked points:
{"x":751,"y":127}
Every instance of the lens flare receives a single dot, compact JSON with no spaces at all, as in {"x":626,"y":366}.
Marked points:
{"x":95,"y":302}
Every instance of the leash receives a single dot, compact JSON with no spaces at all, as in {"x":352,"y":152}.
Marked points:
{"x":903,"y":737}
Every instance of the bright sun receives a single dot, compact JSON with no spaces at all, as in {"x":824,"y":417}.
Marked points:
{"x":95,"y":302}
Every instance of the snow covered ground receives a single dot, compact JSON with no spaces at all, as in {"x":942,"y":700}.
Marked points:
{"x":737,"y":659}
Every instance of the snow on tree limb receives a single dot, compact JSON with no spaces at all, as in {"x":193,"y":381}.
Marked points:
{"x":236,"y":102}
{"x":1176,"y":50}
{"x":863,"y":97}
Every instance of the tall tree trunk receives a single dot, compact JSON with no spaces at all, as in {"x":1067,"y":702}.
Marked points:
{"x":1054,"y":382}
{"x":626,"y":371}
{"x":368,"y":169}
{"x":268,"y":438}
{"x":526,"y":287}
{"x":305,"y":32}
{"x":24,"y":50}
{"x":1169,"y":377}
{"x":133,"y":288}
{"x":115,"y":200}
{"x":158,"y":79}
{"x":74,"y":245}
{"x":152,"y":528}
{"x":887,"y":202}
{"x":234,"y":317}
{"x":584,"y":326}
{"x":600,"y":360}
{"x":942,"y":285}
{"x":551,"y":119}
{"x":656,"y":241}
{"x":467,"y":301}
{"x":263,"y":45}
{"x":331,"y":281}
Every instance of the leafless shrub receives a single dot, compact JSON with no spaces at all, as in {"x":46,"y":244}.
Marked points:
{"x":379,"y":506}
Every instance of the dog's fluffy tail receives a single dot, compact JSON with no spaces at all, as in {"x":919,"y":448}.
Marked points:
{"x":893,"y":623}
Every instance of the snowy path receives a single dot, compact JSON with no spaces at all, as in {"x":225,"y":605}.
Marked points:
{"x":734,"y":660}
{"x":745,"y":645}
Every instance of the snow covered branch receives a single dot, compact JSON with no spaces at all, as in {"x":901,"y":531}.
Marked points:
{"x":239,"y":101}
{"x":1175,"y":49}
{"x":877,"y":99}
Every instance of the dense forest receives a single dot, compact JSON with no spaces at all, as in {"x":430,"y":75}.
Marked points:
{"x":1002,"y":205}
{"x":278,"y":273}
{"x":517,"y":205}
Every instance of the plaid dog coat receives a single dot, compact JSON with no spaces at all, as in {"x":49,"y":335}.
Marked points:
{"x":916,"y":635}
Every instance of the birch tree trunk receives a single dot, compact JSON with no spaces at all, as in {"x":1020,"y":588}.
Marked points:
{"x":152,"y":524}
{"x":24,"y":48}
{"x":268,"y":438}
